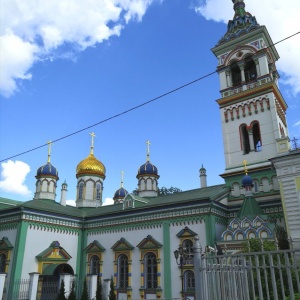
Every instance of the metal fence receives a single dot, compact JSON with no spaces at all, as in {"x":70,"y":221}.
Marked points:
{"x":272,"y":275}
{"x":20,"y":290}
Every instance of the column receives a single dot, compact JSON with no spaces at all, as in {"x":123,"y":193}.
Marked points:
{"x":34,"y":281}
{"x":256,"y":61}
{"x":197,"y":268}
{"x":228,"y":78}
{"x":250,"y":133}
{"x":2,"y":283}
{"x":92,"y":286}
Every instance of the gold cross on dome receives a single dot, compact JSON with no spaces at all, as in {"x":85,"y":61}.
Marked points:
{"x":122,"y":178}
{"x":93,"y":135}
{"x":245,"y":167}
{"x":49,"y":150}
{"x":148,"y":149}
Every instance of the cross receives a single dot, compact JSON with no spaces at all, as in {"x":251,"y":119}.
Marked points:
{"x":92,"y":134}
{"x":49,"y":150}
{"x":122,"y":178}
{"x":245,"y":166}
{"x":148,"y":149}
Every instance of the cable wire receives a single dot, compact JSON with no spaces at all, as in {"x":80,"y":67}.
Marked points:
{"x":132,"y":108}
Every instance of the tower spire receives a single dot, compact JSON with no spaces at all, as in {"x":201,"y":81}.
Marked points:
{"x":148,"y":150}
{"x":49,"y":150}
{"x":92,"y":134}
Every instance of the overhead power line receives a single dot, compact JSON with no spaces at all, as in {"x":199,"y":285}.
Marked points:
{"x":132,"y":108}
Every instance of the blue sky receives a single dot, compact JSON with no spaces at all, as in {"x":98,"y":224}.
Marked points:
{"x":66,"y":67}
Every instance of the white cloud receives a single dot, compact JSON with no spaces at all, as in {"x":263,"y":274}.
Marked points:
{"x":33,"y":29}
{"x":13,"y":176}
{"x":296,"y":124}
{"x":71,"y":202}
{"x":280,"y":19}
{"x":108,"y":201}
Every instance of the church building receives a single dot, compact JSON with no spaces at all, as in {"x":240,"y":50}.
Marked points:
{"x":133,"y":240}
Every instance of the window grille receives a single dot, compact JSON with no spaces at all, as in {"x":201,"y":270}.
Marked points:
{"x":189,"y":281}
{"x":94,"y":265}
{"x":98,"y":191}
{"x":150,"y":271}
{"x":80,"y":191}
{"x":122,"y":271}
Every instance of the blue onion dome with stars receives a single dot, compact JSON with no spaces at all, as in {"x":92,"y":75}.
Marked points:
{"x":47,"y":170}
{"x":147,"y":168}
{"x":247,"y":181}
{"x":120,"y":193}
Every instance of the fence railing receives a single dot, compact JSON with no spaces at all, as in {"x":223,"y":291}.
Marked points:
{"x":272,"y":275}
{"x":20,"y":290}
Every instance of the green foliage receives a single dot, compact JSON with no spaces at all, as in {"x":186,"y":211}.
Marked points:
{"x":297,"y":297}
{"x":84,"y":295}
{"x":263,"y":275}
{"x":61,"y":295}
{"x":99,"y":295}
{"x":72,"y":295}
{"x":112,"y":294}
{"x":162,"y":191}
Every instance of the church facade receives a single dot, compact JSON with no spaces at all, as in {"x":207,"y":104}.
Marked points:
{"x":134,"y":239}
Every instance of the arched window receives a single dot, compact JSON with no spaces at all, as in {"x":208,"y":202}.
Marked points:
{"x":256,"y":136}
{"x":122,"y":271}
{"x":94,"y":265}
{"x":189,"y":281}
{"x":2,"y":263}
{"x":150,"y":263}
{"x":98,"y":191}
{"x":236,"y":74}
{"x":250,"y":69}
{"x":244,"y":139}
{"x":80,"y":191}
{"x":188,"y":246}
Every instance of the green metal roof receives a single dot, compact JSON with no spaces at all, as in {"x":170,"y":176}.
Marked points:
{"x":249,"y":208}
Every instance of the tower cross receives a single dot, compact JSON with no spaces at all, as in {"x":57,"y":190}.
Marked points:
{"x":49,"y":150}
{"x":122,"y":178}
{"x":92,"y":134}
{"x":245,"y":167}
{"x":148,"y":150}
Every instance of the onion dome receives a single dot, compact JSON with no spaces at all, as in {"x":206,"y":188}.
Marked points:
{"x":121,"y":193}
{"x":47,"y":170}
{"x":247,"y":181}
{"x":91,"y":165}
{"x":148,"y":168}
{"x":243,"y":22}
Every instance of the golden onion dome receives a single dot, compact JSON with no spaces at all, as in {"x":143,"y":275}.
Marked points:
{"x":91,"y":165}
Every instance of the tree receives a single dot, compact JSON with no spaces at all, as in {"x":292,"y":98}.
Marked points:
{"x":162,"y":191}
{"x":99,"y":295}
{"x":61,"y":295}
{"x":84,"y":295}
{"x":112,"y":295}
{"x":72,"y":295}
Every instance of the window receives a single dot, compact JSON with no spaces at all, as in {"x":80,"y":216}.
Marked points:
{"x":122,"y":271}
{"x":250,"y":69}
{"x":80,"y":191}
{"x":150,"y":271}
{"x":98,"y":191}
{"x":189,"y":281}
{"x":2,"y":263}
{"x":245,"y":139}
{"x":256,"y":136}
{"x":188,"y":246}
{"x":236,"y":74}
{"x":94,"y":265}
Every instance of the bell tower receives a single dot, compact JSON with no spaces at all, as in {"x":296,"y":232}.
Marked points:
{"x":252,"y":108}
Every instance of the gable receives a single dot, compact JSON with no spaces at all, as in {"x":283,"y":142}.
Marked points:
{"x":122,"y":245}
{"x":93,"y":247}
{"x":149,"y":243}
{"x":54,"y":252}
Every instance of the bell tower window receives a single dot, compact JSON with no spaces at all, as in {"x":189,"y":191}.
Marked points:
{"x":80,"y":191}
{"x":250,"y":69}
{"x":245,"y":143}
{"x":236,"y":74}
{"x":256,"y":136}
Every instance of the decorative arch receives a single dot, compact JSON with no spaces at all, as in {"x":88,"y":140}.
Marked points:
{"x":239,"y":54}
